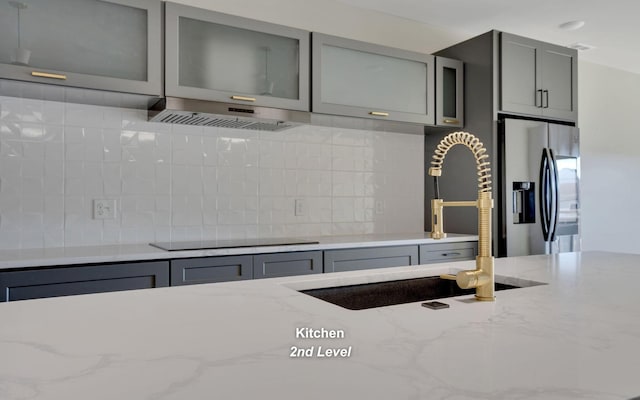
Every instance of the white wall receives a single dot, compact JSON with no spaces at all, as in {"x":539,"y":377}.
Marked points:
{"x":609,"y":111}
{"x":177,"y":182}
{"x":334,"y":18}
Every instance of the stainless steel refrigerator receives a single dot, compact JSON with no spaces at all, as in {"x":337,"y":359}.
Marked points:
{"x":539,"y":181}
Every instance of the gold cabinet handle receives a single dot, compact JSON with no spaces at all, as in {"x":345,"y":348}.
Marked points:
{"x":48,"y":75}
{"x":243,"y":98}
{"x":450,"y":121}
{"x":379,"y":114}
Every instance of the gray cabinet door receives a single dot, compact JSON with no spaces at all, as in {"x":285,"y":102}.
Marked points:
{"x":559,"y":77}
{"x":443,"y":252}
{"x":110,"y":45}
{"x":220,"y":57}
{"x":65,"y":281}
{"x":367,"y":258}
{"x":191,"y":271}
{"x":538,"y":78}
{"x":520,"y":89}
{"x":449,"y":92}
{"x":286,"y":264}
{"x":365,"y":80}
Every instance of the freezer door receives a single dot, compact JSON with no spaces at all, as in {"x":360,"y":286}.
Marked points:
{"x":565,"y":142}
{"x":524,"y":142}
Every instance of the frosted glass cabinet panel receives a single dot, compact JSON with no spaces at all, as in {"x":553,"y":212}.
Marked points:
{"x":111,"y":45}
{"x":360,"y":79}
{"x":214,"y":56}
{"x":449,"y":92}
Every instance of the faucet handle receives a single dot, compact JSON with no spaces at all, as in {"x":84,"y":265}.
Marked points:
{"x":468,"y":279}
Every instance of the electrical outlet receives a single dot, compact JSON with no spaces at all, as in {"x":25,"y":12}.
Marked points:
{"x":379,"y":207}
{"x":300,"y":207}
{"x":104,"y":209}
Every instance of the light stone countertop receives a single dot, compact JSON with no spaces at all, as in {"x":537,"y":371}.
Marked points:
{"x":578,"y":337}
{"x":134,"y":252}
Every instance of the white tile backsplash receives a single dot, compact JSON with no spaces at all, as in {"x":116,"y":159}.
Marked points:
{"x":176,"y":182}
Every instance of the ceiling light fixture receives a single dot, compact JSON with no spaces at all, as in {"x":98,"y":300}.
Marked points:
{"x":20,"y":55}
{"x":571,"y":25}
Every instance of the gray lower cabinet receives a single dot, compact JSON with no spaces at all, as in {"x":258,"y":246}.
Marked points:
{"x":286,"y":264}
{"x":191,"y":271}
{"x":367,"y":258}
{"x":234,"y":268}
{"x":65,"y":281}
{"x":435,"y":253}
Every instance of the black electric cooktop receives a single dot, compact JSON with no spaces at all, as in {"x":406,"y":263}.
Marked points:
{"x":228,"y":244}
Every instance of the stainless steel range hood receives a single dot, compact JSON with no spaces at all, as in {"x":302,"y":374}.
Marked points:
{"x":177,"y":110}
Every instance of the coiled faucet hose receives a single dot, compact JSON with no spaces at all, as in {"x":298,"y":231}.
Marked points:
{"x":477,"y":148}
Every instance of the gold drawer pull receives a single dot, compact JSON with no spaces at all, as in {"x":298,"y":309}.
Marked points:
{"x":450,"y":121}
{"x":379,"y":114}
{"x":243,"y":98}
{"x":48,"y":75}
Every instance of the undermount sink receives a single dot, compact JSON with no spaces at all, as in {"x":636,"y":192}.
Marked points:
{"x":380,"y":294}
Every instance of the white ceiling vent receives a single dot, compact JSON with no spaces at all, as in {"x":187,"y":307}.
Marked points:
{"x":582,"y":46}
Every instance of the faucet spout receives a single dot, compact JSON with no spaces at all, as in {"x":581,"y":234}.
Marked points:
{"x":482,"y":278}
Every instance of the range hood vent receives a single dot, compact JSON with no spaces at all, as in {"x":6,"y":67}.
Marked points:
{"x":176,"y":110}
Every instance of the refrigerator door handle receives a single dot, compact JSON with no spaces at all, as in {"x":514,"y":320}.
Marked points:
{"x":554,"y":188}
{"x":544,"y":194}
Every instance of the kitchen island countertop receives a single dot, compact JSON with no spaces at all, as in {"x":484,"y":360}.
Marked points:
{"x":137,"y":252}
{"x":578,"y":337}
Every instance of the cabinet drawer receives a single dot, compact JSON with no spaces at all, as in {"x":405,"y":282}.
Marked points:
{"x":65,"y":281}
{"x":286,"y":264}
{"x":211,"y":269}
{"x":434,"y":253}
{"x":366,"y":258}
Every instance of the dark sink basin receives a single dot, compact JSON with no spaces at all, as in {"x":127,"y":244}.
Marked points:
{"x":380,"y":294}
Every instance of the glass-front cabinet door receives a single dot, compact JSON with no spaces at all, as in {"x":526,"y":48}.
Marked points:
{"x":220,"y":57}
{"x":110,"y":45}
{"x":449,"y":92}
{"x":361,"y":79}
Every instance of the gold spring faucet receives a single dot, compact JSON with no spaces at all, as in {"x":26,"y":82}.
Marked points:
{"x":482,"y":278}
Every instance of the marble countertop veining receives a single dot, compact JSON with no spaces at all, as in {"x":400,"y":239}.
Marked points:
{"x":134,"y":252}
{"x":578,"y":337}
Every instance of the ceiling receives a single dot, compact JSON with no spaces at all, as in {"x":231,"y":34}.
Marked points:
{"x":612,"y":26}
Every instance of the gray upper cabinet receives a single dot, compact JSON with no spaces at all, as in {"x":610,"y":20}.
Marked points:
{"x":112,"y":45}
{"x":449,"y":92}
{"x":358,"y":79}
{"x":538,"y":78}
{"x":220,"y":57}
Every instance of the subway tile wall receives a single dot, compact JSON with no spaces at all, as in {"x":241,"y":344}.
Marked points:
{"x":176,"y":182}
